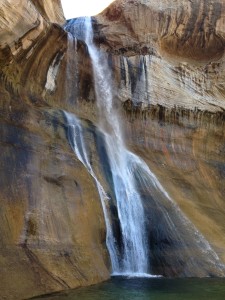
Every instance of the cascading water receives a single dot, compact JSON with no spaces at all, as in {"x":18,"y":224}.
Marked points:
{"x":72,"y":90}
{"x":76,"y":140}
{"x":134,"y":256}
{"x":129,"y":204}
{"x":130,"y":175}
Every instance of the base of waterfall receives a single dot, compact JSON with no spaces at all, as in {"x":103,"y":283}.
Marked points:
{"x":135,"y":275}
{"x":147,"y":288}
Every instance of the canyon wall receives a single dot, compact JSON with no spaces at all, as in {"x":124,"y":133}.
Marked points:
{"x":167,"y":59}
{"x":173,"y":50}
{"x":52,"y":230}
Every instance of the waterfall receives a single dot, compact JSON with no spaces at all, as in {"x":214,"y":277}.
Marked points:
{"x":131,"y":176}
{"x":133,"y":259}
{"x":71,"y":88}
{"x":76,"y":140}
{"x":129,"y":204}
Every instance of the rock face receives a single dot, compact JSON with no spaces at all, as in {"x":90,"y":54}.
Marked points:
{"x":173,"y":50}
{"x":167,"y":59}
{"x":52,"y":231}
{"x":190,"y":30}
{"x":52,"y":228}
{"x":186,"y":153}
{"x":50,"y":10}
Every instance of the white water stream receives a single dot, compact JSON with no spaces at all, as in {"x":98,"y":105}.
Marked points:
{"x":134,"y":258}
{"x":129,"y":204}
{"x":76,"y":140}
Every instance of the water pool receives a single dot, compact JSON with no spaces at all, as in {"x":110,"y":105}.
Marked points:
{"x":147,"y":289}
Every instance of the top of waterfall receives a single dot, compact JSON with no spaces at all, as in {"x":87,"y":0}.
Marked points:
{"x":81,"y":28}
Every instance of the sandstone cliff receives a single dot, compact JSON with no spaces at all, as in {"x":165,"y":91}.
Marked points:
{"x":52,"y":232}
{"x":175,"y":47}
{"x":167,"y":59}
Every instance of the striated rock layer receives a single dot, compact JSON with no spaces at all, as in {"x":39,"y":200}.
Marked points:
{"x":167,"y":59}
{"x":185,"y":150}
{"x":167,"y":52}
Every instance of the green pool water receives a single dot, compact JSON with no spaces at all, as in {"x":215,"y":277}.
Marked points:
{"x":152,"y":289}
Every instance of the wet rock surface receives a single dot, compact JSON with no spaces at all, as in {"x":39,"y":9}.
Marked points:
{"x":52,"y":226}
{"x":186,"y":152}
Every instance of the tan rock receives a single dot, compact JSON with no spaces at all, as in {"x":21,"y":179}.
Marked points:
{"x":51,"y":10}
{"x":52,"y":231}
{"x":52,"y":226}
{"x":191,"y":30}
{"x":173,"y":50}
{"x":185,"y":150}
